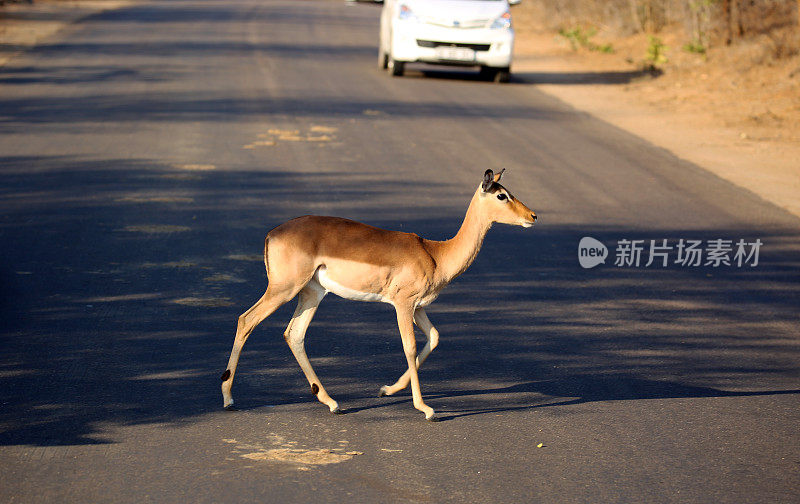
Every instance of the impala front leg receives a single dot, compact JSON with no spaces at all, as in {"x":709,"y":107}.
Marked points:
{"x":405,"y":321}
{"x":421,"y":319}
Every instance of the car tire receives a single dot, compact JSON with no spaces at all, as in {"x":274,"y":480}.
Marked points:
{"x":396,"y":68}
{"x":488,"y":73}
{"x":502,"y":75}
{"x":383,"y":60}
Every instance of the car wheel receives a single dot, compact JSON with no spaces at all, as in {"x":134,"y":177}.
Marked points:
{"x":396,"y":68}
{"x":383,"y":60}
{"x":502,"y":75}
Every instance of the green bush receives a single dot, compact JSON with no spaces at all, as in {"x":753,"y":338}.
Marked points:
{"x":656,"y":53}
{"x":695,"y":47}
{"x":580,"y":38}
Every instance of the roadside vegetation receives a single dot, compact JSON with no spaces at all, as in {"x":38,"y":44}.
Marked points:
{"x":580,"y":38}
{"x":737,"y":59}
{"x":701,"y":24}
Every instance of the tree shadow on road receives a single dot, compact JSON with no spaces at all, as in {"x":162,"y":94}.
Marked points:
{"x":122,"y":279}
{"x":122,"y":282}
{"x":581,"y":389}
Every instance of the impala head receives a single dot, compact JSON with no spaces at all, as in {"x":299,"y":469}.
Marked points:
{"x":499,"y":205}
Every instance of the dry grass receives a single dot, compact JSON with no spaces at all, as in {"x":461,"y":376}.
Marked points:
{"x":713,"y":20}
{"x":751,"y":84}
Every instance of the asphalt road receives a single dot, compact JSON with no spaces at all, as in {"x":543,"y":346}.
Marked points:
{"x":146,"y":152}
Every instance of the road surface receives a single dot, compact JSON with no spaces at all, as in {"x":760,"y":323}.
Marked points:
{"x":146,"y":152}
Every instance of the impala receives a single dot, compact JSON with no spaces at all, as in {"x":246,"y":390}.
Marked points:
{"x":312,"y":255}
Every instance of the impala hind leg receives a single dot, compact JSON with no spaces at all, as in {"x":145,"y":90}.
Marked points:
{"x":422,"y":321}
{"x":295,"y":335}
{"x":272,"y":299}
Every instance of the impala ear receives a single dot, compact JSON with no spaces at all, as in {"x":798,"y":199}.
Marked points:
{"x":498,"y":175}
{"x":487,"y":180}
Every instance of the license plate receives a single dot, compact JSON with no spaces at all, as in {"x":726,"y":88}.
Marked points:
{"x":455,"y":53}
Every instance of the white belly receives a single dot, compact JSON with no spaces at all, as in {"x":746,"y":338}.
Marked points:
{"x":340,"y":290}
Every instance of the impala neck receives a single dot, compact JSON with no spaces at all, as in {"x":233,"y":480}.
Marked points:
{"x":456,"y":254}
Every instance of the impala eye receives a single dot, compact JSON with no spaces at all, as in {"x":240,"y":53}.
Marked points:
{"x":502,"y":197}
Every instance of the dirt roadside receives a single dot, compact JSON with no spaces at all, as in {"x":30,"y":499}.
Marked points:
{"x":755,"y":145}
{"x":736,"y":120}
{"x":24,"y":25}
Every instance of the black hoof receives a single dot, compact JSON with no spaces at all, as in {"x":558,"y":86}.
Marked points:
{"x":231,"y":407}
{"x":339,"y":411}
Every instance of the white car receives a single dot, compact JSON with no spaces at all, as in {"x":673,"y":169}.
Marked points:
{"x":448,"y":32}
